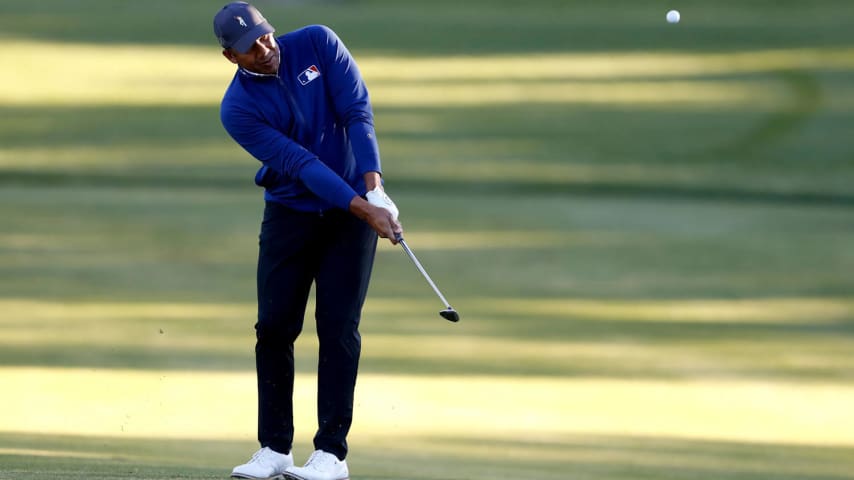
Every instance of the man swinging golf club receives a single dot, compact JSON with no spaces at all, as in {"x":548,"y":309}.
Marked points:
{"x":298,"y":104}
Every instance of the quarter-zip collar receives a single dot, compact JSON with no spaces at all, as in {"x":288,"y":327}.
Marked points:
{"x":250,"y":73}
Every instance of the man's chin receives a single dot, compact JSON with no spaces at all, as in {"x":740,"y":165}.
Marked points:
{"x":267,"y":69}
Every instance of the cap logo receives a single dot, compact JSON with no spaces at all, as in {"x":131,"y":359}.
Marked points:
{"x":240,"y":21}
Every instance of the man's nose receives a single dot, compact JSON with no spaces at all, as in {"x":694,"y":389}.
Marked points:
{"x":261,"y":47}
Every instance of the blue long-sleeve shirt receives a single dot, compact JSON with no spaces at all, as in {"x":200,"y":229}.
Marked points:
{"x":310,"y":125}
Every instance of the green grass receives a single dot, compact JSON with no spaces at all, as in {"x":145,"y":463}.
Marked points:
{"x":646,"y":228}
{"x":588,"y":457}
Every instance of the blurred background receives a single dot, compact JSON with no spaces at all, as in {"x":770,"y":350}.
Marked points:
{"x":647,"y":228}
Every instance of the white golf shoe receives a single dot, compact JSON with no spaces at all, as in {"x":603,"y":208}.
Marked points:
{"x":264,"y":464}
{"x":320,"y":466}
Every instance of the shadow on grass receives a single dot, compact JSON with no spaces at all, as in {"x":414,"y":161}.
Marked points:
{"x":807,"y":98}
{"x":587,"y":150}
{"x":665,"y":191}
{"x":603,"y":457}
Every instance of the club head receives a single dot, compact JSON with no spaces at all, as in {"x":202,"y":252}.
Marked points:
{"x":450,"y":315}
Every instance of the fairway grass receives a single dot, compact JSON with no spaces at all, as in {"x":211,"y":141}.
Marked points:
{"x":646,"y":229}
{"x":221,"y":406}
{"x":584,"y":457}
{"x":193,"y":76}
{"x":445,"y":427}
{"x":663,"y":120}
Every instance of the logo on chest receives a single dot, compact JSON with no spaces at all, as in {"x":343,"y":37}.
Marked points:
{"x":308,"y":75}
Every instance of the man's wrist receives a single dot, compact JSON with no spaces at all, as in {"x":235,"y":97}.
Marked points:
{"x":360,"y":207}
{"x":373,"y":180}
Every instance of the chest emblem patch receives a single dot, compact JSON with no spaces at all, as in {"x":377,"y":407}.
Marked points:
{"x":308,"y":75}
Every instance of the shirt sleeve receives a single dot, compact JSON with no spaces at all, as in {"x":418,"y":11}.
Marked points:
{"x":285,"y":156}
{"x":350,"y":98}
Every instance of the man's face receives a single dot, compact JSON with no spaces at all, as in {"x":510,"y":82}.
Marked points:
{"x":263,"y":57}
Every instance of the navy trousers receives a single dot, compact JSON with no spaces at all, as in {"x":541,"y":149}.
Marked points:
{"x":335,"y":251}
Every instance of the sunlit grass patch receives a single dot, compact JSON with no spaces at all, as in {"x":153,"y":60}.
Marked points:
{"x":171,"y":75}
{"x":113,"y":74}
{"x":772,"y":311}
{"x":604,"y":66}
{"x":118,"y":158}
{"x":216,"y":405}
{"x":723,"y":93}
{"x":34,"y":452}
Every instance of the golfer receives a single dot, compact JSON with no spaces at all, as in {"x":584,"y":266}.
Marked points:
{"x":298,"y":104}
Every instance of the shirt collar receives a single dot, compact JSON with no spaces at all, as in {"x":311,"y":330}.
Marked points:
{"x":250,"y":73}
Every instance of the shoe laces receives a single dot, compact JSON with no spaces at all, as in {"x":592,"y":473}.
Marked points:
{"x":263,"y":455}
{"x":319,"y":459}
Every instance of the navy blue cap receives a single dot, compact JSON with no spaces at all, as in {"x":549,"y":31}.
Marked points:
{"x":238,"y":25}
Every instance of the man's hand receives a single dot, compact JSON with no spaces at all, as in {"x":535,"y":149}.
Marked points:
{"x":379,"y":218}
{"x":378,"y":198}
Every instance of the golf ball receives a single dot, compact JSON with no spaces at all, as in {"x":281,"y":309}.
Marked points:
{"x":673,"y":16}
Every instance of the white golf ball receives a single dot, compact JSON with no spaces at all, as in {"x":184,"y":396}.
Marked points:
{"x":673,"y":16}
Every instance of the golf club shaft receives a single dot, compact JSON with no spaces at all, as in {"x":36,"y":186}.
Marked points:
{"x":423,"y":272}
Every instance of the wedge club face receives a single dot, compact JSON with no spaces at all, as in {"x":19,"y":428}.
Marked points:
{"x":450,"y":314}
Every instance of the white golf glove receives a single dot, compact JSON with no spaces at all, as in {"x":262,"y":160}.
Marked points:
{"x":378,"y":198}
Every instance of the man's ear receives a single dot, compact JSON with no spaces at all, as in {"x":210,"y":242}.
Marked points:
{"x":227,"y":53}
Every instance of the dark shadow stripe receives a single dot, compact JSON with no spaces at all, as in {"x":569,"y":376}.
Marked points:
{"x":451,"y":186}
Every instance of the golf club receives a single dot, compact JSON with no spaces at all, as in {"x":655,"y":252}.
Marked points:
{"x":448,"y":313}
